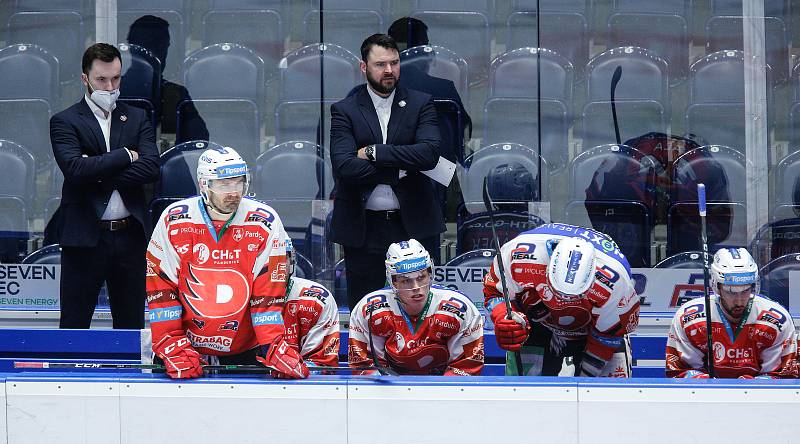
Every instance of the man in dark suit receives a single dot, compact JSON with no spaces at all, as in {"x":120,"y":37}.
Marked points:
{"x":106,"y":151}
{"x":382,"y":138}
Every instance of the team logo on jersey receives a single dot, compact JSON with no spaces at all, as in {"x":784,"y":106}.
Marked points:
{"x":230,"y":325}
{"x":178,"y":212}
{"x":238,"y":234}
{"x":523,"y":252}
{"x":201,"y":252}
{"x":260,"y":215}
{"x":182,"y":249}
{"x":216,"y":293}
{"x":773,"y":317}
{"x":719,"y":351}
{"x":279,"y":273}
{"x":692,"y":312}
{"x":291,"y":307}
{"x":606,"y":276}
{"x":374,"y":303}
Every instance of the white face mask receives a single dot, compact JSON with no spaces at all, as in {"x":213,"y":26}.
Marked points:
{"x":104,"y":99}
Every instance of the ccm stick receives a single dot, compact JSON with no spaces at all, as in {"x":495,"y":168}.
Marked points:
{"x":487,"y":201}
{"x":207,"y":368}
{"x":701,"y":203}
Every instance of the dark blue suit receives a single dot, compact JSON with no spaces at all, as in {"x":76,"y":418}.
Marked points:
{"x":411,"y":144}
{"x":92,"y":254}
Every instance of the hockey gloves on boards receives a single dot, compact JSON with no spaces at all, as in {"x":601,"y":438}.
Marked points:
{"x":510,"y":333}
{"x":284,"y":360}
{"x":180,"y":358}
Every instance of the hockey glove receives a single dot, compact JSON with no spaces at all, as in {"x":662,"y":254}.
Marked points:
{"x":696,"y":374}
{"x":180,"y":358}
{"x":510,"y":333}
{"x":284,"y":360}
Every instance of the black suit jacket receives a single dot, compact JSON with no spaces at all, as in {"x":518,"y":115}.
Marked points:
{"x":91,"y":173}
{"x":411,"y":144}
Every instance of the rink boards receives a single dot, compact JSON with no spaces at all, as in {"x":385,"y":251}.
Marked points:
{"x":132,"y":409}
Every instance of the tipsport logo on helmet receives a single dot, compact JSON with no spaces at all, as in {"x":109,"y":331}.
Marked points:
{"x":739,"y":278}
{"x":572,"y":266}
{"x":410,"y":265}
{"x":231,"y":170}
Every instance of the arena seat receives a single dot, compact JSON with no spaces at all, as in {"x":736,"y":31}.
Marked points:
{"x":465,"y":32}
{"x":300,"y":77}
{"x":724,"y":32}
{"x":515,"y":74}
{"x":666,"y":35}
{"x":141,"y":80}
{"x":683,"y":260}
{"x":49,"y":254}
{"x":563,"y":32}
{"x":441,"y":62}
{"x":300,"y":120}
{"x":60,"y":32}
{"x":29,"y":72}
{"x":128,"y":11}
{"x":717,"y":78}
{"x":258,"y":29}
{"x":345,"y":28}
{"x":612,"y":189}
{"x":775,"y":278}
{"x":475,"y":258}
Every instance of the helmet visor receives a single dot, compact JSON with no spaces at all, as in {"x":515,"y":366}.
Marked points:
{"x":412,"y":281}
{"x":230,"y":185}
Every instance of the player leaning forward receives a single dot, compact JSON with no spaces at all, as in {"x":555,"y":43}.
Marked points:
{"x":216,"y":276}
{"x":414,"y":327}
{"x":752,"y":336}
{"x":572,"y":295}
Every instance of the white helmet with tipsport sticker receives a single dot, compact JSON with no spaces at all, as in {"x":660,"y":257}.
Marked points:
{"x":217,"y":164}
{"x":733,"y":266}
{"x":572,"y":267}
{"x":406,"y":257}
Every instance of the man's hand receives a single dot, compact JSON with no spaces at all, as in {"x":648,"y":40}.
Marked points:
{"x":361,"y":154}
{"x":510,"y":333}
{"x":284,"y":360}
{"x":180,"y":358}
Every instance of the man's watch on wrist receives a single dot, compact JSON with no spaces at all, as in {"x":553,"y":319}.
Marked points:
{"x":369,"y":152}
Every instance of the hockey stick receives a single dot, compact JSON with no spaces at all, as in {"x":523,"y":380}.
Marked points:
{"x":377,"y":365}
{"x":614,"y":81}
{"x":487,"y":201}
{"x":701,"y":202}
{"x":110,"y":366}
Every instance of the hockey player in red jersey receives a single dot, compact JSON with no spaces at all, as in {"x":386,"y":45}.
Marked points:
{"x":752,"y":336}
{"x":216,"y":277}
{"x":572,"y":295}
{"x":311,"y":317}
{"x":413,"y":327}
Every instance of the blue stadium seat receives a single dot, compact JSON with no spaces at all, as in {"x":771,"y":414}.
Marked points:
{"x":682,"y":8}
{"x":717,"y":123}
{"x":635,"y":118}
{"x":787,"y":180}
{"x":517,"y":120}
{"x":725,"y":32}
{"x":29,"y":72}
{"x":340,"y":284}
{"x":612,"y":189}
{"x":177,"y":178}
{"x":464,"y":32}
{"x":49,"y":254}
{"x":644,"y":76}
{"x":665,"y":34}
{"x":564,"y":27}
{"x":345,"y":28}
{"x":717,"y":78}
{"x":482,"y":6}
{"x":226,"y":82}
{"x":174,"y":14}
{"x":474,"y":232}
{"x":515,"y":74}
{"x":260,"y":30}
{"x":475,"y":258}
{"x":141,"y":80}
{"x":775,"y":278}
{"x":721,"y":169}
{"x":49,"y":5}
{"x":300,"y":77}
{"x":684,"y":260}
{"x":772,"y":8}
{"x":27,"y":123}
{"x":60,"y":32}
{"x":441,"y":62}
{"x":300,"y":120}
{"x":17,"y":173}
{"x":451,"y":129}
{"x":302,"y":266}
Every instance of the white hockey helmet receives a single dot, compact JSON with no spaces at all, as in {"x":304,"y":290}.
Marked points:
{"x":733,"y":266}
{"x":220,"y":163}
{"x":406,"y":257}
{"x":572,"y":266}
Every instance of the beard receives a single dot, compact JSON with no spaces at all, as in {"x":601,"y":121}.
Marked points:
{"x":379,"y":85}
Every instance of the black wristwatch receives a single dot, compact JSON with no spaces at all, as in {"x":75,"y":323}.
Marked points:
{"x":370,"y":153}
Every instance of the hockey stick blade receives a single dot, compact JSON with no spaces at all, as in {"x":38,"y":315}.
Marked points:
{"x":614,"y":81}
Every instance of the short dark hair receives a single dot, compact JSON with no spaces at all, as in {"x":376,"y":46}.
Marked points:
{"x":103,"y":51}
{"x":381,"y":40}
{"x":409,"y":31}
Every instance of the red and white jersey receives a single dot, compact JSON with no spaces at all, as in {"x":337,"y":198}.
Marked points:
{"x":446,"y":338}
{"x":604,"y":314}
{"x":762,"y":345}
{"x":311,"y":318}
{"x":223,"y":285}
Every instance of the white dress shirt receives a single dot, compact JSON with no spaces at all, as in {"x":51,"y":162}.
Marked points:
{"x":382,"y":197}
{"x":116,"y":208}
